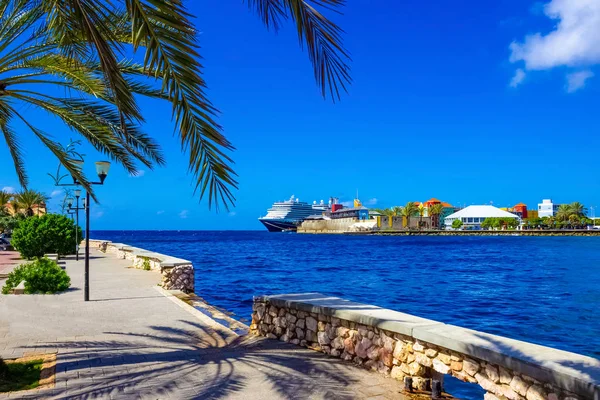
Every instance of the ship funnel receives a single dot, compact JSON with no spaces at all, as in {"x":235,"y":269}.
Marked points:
{"x":315,"y":202}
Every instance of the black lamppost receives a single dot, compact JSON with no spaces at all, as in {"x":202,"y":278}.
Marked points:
{"x":102,"y":168}
{"x":75,"y":210}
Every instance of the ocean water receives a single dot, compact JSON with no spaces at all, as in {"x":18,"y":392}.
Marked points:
{"x":544,"y":290}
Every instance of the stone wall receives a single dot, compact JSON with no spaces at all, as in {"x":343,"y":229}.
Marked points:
{"x":401,"y":355}
{"x":177,"y":274}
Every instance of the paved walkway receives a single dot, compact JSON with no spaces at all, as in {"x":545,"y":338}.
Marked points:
{"x":8,"y":260}
{"x":131,"y":341}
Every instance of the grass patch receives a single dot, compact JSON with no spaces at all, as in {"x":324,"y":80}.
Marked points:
{"x":21,"y":376}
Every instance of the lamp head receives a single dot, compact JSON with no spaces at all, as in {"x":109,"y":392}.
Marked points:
{"x":77,"y":193}
{"x":102,"y":168}
{"x":70,"y":202}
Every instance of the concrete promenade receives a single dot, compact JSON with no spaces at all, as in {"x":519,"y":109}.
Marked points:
{"x":133,"y":342}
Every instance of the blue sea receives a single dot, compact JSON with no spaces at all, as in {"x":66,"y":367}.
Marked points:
{"x":543,"y":290}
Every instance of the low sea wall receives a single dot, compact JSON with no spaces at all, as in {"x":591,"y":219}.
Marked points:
{"x":177,"y":273}
{"x":418,"y":350}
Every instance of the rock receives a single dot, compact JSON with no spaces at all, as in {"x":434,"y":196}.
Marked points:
{"x":303,"y":343}
{"x":399,"y":350}
{"x":311,"y":324}
{"x":310,"y":335}
{"x":362,"y":347}
{"x":440,"y":366}
{"x":295,"y":341}
{"x":323,"y":338}
{"x":335,"y":321}
{"x":278,"y":331}
{"x":431,"y":353}
{"x":331,"y":332}
{"x":509,"y":393}
{"x":301,"y":315}
{"x":386,"y":357}
{"x":552,"y":396}
{"x":455,"y":358}
{"x":535,"y":392}
{"x":470,"y":367}
{"x":485,"y":383}
{"x":519,"y":385}
{"x":362,"y":330}
{"x":370,"y":335}
{"x":492,"y":373}
{"x":410,"y":358}
{"x":271,"y":336}
{"x":273,"y":311}
{"x":322,"y":317}
{"x":445,"y":358}
{"x":281,"y":312}
{"x":456,"y":365}
{"x":416,"y":369}
{"x":300,"y":323}
{"x":346,"y":356}
{"x":338,"y":343}
{"x":382,"y":368}
{"x":260,"y":311}
{"x":423,"y":360}
{"x":419,"y":383}
{"x":357,"y":360}
{"x":349,"y":345}
{"x":373,"y":353}
{"x":505,"y":376}
{"x":405,"y":368}
{"x":489,"y":396}
{"x":397,"y":373}
{"x":299,"y":333}
{"x":335,"y":352}
{"x":463,"y":377}
{"x":418,"y":347}
{"x":291,"y":318}
{"x":342,"y":331}
{"x":371,"y":364}
{"x":326,"y":349}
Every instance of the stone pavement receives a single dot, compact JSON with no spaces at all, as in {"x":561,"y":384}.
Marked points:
{"x":8,"y":260}
{"x":131,"y":341}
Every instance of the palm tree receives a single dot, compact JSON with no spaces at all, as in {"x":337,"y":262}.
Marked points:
{"x":26,"y":200}
{"x":434,"y":212}
{"x":396,"y":210}
{"x":578,"y":209}
{"x":78,"y":48}
{"x":408,"y":211}
{"x":563,"y":213}
{"x":5,"y":198}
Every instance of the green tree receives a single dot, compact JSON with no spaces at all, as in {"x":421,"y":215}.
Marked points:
{"x":27,"y":199}
{"x":408,"y":211}
{"x":457,"y":224}
{"x":50,"y":233}
{"x":5,"y":198}
{"x":563,"y":213}
{"x":79,"y":47}
{"x":578,"y":209}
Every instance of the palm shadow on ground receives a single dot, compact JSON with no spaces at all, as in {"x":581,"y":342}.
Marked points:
{"x":196,"y":363}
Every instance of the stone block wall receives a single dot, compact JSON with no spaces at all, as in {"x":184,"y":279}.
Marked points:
{"x":394,"y":354}
{"x":176,"y":274}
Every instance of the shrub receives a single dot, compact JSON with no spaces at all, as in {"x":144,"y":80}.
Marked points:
{"x":3,"y":368}
{"x":50,"y":233}
{"x":146,"y":265}
{"x":456,"y":224}
{"x":40,"y":276}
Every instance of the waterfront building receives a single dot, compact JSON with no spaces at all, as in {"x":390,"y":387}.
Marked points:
{"x":359,"y":213}
{"x":472,"y":216}
{"x":518,"y":209}
{"x":547,"y":208}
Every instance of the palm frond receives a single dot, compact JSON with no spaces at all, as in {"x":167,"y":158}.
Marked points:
{"x":321,"y":36}
{"x":163,"y":28}
{"x":13,"y":143}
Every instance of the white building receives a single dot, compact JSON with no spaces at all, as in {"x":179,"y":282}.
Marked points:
{"x":473,"y":216}
{"x":547,"y":208}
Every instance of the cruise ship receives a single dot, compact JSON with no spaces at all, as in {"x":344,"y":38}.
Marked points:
{"x":287,"y":215}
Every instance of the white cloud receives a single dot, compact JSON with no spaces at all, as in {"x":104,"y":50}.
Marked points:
{"x":232,"y":214}
{"x":371,"y":202}
{"x":9,"y":189}
{"x":184,"y":214}
{"x":518,"y":78}
{"x":138,"y":174}
{"x":56,"y":193}
{"x":576,"y":80}
{"x":573,"y":42}
{"x":160,"y":212}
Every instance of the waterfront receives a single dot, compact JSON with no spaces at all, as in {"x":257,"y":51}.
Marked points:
{"x":539,"y":289}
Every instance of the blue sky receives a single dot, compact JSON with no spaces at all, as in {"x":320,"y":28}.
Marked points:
{"x":465,"y":101}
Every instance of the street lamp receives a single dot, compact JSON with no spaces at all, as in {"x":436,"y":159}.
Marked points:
{"x":75,"y":211}
{"x":102,"y":168}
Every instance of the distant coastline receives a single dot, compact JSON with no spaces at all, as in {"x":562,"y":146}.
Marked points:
{"x":548,"y":232}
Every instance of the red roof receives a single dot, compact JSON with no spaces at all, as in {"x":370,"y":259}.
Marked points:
{"x":447,"y":205}
{"x":433,"y":200}
{"x":521,"y":205}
